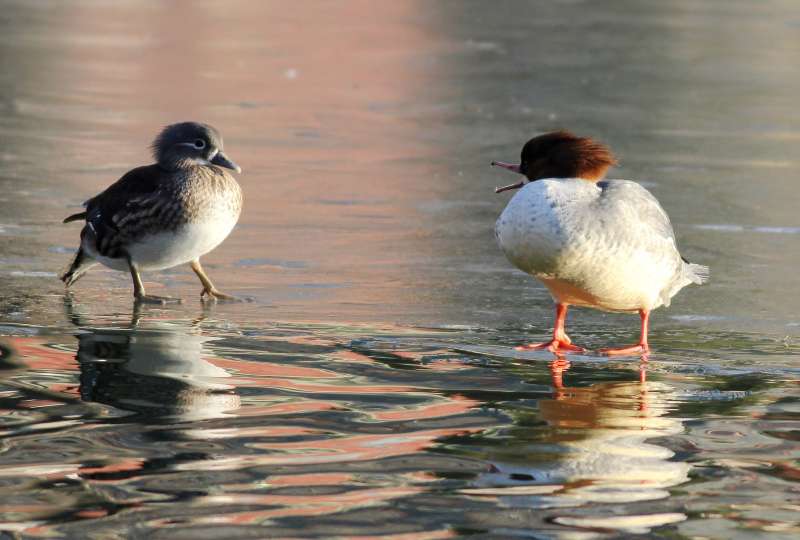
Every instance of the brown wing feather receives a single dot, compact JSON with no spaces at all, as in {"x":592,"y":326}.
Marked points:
{"x":136,"y":182}
{"x":105,"y":210}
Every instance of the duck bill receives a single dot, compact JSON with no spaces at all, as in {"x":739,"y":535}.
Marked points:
{"x":222,"y":160}
{"x":509,"y":187}
{"x":513,"y":167}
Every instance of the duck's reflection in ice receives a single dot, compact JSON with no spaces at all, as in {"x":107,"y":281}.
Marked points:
{"x":157,"y":369}
{"x":594,"y":448}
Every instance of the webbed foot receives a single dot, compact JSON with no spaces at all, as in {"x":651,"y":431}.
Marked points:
{"x":213,"y":295}
{"x":554,"y":345}
{"x":637,"y":349}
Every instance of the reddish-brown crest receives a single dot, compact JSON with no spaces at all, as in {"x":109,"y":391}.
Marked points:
{"x":561,"y":154}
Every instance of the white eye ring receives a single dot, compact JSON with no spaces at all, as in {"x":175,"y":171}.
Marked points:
{"x":199,"y":143}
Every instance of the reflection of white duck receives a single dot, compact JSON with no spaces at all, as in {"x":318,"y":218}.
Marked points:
{"x":159,"y":370}
{"x":597,"y":449}
{"x":602,"y":244}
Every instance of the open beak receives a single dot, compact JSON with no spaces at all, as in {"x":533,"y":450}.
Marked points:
{"x":222,"y":160}
{"x":513,"y":168}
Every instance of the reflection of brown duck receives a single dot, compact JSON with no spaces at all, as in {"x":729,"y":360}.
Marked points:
{"x":598,"y":449}
{"x":155,"y":368}
{"x":158,"y":371}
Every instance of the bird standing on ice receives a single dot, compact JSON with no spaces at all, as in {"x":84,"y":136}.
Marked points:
{"x":602,"y":244}
{"x":165,"y":214}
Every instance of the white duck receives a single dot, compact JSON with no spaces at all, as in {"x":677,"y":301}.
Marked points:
{"x":602,"y":244}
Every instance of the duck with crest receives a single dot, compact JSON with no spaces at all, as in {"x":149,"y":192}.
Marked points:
{"x":165,"y":214}
{"x":604,"y":244}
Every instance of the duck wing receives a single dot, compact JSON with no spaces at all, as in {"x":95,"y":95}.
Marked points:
{"x":115,"y":216}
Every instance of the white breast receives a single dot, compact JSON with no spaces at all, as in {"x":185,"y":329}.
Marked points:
{"x":530,"y":230}
{"x":175,"y":247}
{"x":188,"y":242}
{"x":610,"y":248}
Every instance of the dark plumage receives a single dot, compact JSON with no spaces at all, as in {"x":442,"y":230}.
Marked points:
{"x":165,"y":214}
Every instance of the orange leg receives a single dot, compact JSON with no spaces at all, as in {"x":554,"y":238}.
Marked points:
{"x":560,"y":341}
{"x":640,"y":348}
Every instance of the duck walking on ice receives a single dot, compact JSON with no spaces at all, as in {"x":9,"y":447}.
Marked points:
{"x":604,"y":244}
{"x":162,"y":215}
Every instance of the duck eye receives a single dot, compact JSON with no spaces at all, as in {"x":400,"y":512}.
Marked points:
{"x":199,"y":143}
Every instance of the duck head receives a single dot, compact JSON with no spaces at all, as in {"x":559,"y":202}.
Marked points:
{"x":560,"y":154}
{"x":189,"y":144}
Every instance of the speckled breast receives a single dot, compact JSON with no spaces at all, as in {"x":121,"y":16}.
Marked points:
{"x":529,"y":232}
{"x":210,"y":194}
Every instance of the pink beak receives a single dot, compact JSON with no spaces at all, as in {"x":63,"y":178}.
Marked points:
{"x":511,"y":167}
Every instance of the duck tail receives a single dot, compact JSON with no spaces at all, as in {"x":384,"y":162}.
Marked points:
{"x":75,"y":217}
{"x":80,"y":264}
{"x":697,"y":273}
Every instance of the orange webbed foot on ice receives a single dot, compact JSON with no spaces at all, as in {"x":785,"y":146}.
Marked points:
{"x":554,"y":345}
{"x":638,"y":349}
{"x":560,"y":342}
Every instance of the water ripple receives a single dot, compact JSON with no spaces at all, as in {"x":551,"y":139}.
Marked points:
{"x":179,"y":426}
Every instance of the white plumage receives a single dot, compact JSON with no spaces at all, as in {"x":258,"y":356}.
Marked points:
{"x":602,"y":244}
{"x":606,"y":245}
